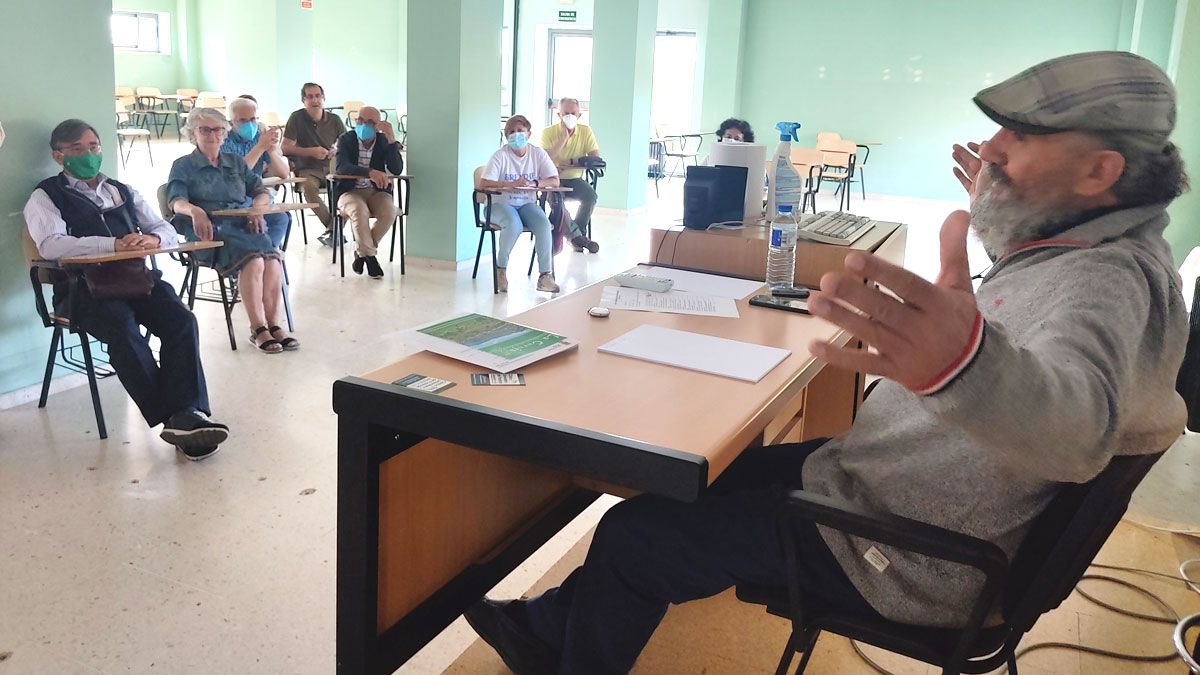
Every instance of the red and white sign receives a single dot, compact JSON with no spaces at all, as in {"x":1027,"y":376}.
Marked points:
{"x":306,"y":4}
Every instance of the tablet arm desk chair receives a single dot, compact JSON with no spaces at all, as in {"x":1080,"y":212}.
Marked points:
{"x":481,"y":203}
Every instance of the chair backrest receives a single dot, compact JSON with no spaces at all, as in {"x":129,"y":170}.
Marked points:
{"x":479,"y":197}
{"x":126,"y":97}
{"x":124,"y":91}
{"x":806,"y":156}
{"x":30,"y":252}
{"x":270,"y":118}
{"x":1066,"y":537}
{"x":825,"y":138}
{"x":163,"y":207}
{"x":188,"y":92}
{"x":149,"y":91}
{"x":351,"y":109}
{"x":217,"y":102}
{"x":839,"y":153}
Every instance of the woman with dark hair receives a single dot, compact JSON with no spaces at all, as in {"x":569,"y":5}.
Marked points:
{"x":734,"y":129}
{"x":517,"y":164}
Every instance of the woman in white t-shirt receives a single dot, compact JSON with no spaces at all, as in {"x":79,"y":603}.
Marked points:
{"x":519,"y":164}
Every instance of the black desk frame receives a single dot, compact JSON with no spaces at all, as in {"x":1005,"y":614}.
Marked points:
{"x":379,"y":421}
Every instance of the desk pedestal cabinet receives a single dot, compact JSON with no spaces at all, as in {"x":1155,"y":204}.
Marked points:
{"x":440,"y":496}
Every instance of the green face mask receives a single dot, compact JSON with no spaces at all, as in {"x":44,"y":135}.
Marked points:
{"x":84,"y":166}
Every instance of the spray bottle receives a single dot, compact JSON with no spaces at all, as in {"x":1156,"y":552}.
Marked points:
{"x":784,"y":185}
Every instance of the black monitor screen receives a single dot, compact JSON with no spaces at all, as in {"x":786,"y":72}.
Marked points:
{"x":713,"y":194}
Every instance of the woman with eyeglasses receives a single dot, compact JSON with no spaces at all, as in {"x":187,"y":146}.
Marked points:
{"x":208,"y":180}
{"x":516,"y":165}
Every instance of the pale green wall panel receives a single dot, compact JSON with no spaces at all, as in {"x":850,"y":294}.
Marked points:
{"x":294,"y":55}
{"x":1155,"y":24}
{"x":722,"y":62}
{"x":74,"y":82}
{"x":624,"y":32}
{"x":453,"y":113}
{"x":904,"y":73}
{"x":357,"y":47}
{"x":1184,"y":230}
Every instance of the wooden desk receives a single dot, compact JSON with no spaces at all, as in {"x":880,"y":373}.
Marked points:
{"x":442,"y":495}
{"x":403,"y":189}
{"x":185,"y":247}
{"x":744,"y":252}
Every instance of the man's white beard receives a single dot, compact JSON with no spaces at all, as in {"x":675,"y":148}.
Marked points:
{"x":1003,"y":219}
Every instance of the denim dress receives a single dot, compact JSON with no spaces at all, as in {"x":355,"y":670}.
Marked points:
{"x":228,"y":185}
{"x":276,"y":223}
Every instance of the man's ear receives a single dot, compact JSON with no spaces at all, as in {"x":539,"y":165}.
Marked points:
{"x":1101,"y":170}
{"x":57,"y":157}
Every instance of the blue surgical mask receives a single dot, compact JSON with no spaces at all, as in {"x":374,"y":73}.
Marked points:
{"x":364,"y":132}
{"x":518,"y":140}
{"x":248,"y":130}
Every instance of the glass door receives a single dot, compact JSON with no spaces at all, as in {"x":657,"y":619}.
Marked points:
{"x":674,"y":75}
{"x":570,"y":71}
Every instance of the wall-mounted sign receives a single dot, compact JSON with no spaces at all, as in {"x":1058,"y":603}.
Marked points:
{"x":306,"y":4}
{"x":566,"y":16}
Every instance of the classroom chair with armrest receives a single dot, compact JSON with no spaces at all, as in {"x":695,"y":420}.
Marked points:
{"x":227,"y":287}
{"x":153,"y":107}
{"x":1060,"y":545}
{"x":42,"y":273}
{"x":351,"y":108}
{"x":128,"y":134}
{"x":481,"y":202}
{"x":339,"y":220}
{"x":839,"y":163}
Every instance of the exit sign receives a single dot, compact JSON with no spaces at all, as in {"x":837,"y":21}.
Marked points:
{"x":566,"y":15}
{"x":306,"y":4}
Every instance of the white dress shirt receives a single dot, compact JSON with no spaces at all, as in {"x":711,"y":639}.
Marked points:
{"x":49,"y":230}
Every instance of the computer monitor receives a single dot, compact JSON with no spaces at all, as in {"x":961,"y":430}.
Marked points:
{"x":713,"y":194}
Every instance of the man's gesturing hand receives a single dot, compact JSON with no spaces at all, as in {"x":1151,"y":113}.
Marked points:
{"x":918,"y":337}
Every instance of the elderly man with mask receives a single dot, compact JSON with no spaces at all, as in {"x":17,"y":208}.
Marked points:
{"x":81,"y":211}
{"x":992,"y":398}
{"x":369,"y":150}
{"x":566,"y":142}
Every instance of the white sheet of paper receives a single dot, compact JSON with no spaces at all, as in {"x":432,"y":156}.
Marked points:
{"x":705,"y":284}
{"x":673,"y":302}
{"x":694,"y":351}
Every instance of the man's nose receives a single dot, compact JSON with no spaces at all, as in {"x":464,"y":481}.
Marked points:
{"x":992,"y":151}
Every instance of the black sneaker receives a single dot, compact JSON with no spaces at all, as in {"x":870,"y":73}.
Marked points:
{"x":358,"y":263}
{"x":373,"y":268}
{"x":193,"y":429}
{"x":326,"y":239}
{"x":503,"y":626}
{"x":581,"y":242}
{"x":195,"y":454}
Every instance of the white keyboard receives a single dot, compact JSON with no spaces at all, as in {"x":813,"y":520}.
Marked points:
{"x":835,"y":227}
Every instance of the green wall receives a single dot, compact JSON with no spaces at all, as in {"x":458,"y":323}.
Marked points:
{"x":1184,"y":230}
{"x":143,"y":69}
{"x":63,"y":87}
{"x":903,"y":73}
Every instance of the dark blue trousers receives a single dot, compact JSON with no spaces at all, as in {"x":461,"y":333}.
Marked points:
{"x":649,"y":552}
{"x":160,"y":388}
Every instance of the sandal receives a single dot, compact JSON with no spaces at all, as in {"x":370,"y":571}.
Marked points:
{"x":270,"y":346}
{"x":289,"y":343}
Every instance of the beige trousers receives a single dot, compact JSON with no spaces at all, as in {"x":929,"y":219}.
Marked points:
{"x":314,"y":182}
{"x":359,"y":206}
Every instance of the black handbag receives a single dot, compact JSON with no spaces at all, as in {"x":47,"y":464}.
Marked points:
{"x":119,"y":280}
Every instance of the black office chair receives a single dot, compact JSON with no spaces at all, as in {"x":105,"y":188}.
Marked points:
{"x":1056,"y":552}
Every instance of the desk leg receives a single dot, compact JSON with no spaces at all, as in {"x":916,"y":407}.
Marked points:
{"x":425,"y":528}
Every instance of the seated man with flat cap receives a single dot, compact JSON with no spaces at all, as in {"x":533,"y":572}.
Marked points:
{"x":82,"y":212}
{"x":993,"y":398}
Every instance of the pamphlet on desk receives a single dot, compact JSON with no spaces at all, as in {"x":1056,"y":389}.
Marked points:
{"x":694,"y":351}
{"x":673,"y":302}
{"x":489,"y":342}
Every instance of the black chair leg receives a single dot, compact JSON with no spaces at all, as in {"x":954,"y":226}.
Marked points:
{"x":49,"y":366}
{"x":810,"y":639}
{"x":84,"y":342}
{"x":228,"y":307}
{"x":287,"y":304}
{"x":478,"y":252}
{"x":495,"y":279}
{"x":785,"y":660}
{"x":1012,"y":661}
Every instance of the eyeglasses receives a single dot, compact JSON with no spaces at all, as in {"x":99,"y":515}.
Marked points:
{"x":212,"y":131}
{"x":79,"y":149}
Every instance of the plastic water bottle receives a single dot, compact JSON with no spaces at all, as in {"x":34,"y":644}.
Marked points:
{"x":781,"y":253}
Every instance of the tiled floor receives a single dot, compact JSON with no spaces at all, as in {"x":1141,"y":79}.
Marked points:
{"x":118,"y":557}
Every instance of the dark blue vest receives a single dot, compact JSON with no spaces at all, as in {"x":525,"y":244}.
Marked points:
{"x":85,"y":219}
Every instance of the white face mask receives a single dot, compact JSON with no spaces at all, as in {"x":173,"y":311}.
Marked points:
{"x":570,"y":121}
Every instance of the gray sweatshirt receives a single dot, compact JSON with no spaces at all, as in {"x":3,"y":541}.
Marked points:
{"x":1082,"y":340}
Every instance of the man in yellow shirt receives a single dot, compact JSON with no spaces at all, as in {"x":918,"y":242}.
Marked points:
{"x":566,"y":142}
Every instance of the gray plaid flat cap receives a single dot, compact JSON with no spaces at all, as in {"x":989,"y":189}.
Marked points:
{"x":1094,"y":91}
